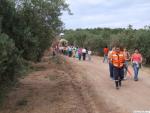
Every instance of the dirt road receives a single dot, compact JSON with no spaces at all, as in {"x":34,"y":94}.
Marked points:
{"x":133,"y":96}
{"x":77,"y":87}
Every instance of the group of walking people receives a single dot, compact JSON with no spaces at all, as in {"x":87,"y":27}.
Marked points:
{"x":119,"y":60}
{"x":76,"y":52}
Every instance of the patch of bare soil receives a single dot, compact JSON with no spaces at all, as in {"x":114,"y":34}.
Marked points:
{"x":50,"y":89}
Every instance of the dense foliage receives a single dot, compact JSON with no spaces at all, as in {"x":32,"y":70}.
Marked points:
{"x":98,"y":38}
{"x":27,"y":28}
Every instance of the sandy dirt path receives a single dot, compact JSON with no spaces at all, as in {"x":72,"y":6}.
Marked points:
{"x":77,"y":87}
{"x":133,"y":96}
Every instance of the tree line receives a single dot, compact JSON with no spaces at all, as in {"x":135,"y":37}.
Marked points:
{"x":98,"y":38}
{"x":27,"y":28}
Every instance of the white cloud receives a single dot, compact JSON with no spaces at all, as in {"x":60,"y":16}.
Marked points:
{"x":108,"y":13}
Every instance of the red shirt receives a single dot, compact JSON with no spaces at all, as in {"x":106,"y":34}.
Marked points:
{"x":136,"y":57}
{"x":106,"y":50}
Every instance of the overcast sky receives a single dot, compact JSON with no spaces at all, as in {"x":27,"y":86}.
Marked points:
{"x":107,"y":13}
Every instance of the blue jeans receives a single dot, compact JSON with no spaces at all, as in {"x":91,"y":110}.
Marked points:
{"x":136,"y":71}
{"x":105,"y":58}
{"x":111,"y":70}
{"x":79,"y":56}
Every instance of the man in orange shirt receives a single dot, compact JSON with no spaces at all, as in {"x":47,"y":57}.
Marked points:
{"x":105,"y":50}
{"x":118,"y":60}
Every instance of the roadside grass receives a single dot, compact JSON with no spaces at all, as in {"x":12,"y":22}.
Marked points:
{"x":5,"y":89}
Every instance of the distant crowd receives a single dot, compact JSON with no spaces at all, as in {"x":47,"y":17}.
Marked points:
{"x":76,"y":52}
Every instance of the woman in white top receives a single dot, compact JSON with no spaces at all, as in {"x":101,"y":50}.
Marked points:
{"x":89,"y":54}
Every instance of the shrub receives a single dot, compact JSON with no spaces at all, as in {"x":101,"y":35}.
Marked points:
{"x":10,"y":61}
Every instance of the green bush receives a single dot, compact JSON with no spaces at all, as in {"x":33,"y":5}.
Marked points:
{"x":98,"y":38}
{"x":27,"y":29}
{"x":10,"y":61}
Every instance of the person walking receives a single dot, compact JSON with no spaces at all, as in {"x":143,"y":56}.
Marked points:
{"x":110,"y":63}
{"x":79,"y":53}
{"x":76,"y":53}
{"x":127,"y":59}
{"x":89,"y":54}
{"x":136,"y":60}
{"x":84,"y":53}
{"x":70,"y":51}
{"x":73,"y":52}
{"x":105,"y":50}
{"x":118,"y":61}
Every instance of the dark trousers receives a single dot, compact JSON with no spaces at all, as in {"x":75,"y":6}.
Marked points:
{"x":111,"y":70}
{"x":64,"y":52}
{"x":79,"y":55}
{"x":84,"y":56}
{"x":70,"y":53}
{"x":118,"y":75}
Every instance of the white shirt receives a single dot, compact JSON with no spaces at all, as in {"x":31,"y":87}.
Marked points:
{"x":89,"y":52}
{"x":83,"y":50}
